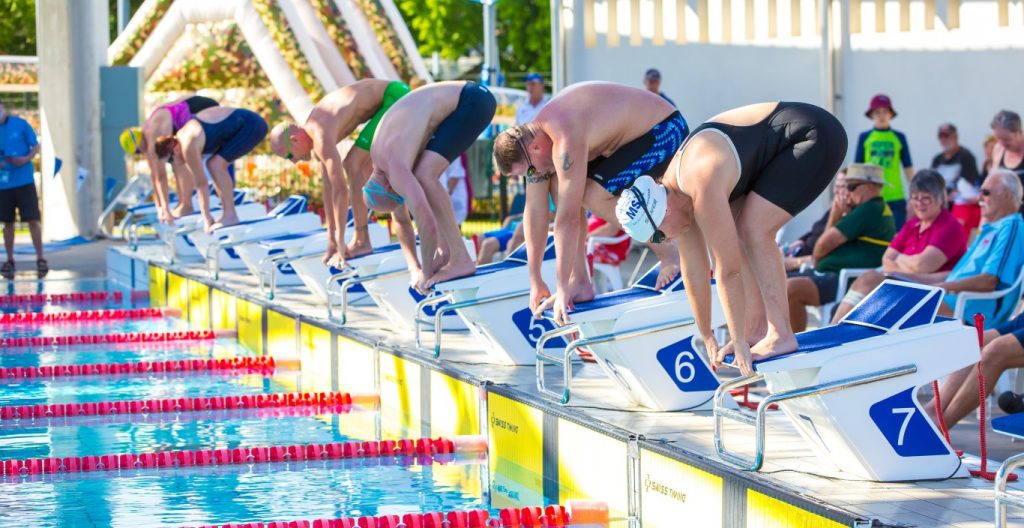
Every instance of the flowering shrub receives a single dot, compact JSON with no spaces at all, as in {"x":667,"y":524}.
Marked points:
{"x":151,"y":13}
{"x":381,"y":25}
{"x":218,"y":57}
{"x":330,"y":16}
{"x":19,"y":73}
{"x":277,"y":24}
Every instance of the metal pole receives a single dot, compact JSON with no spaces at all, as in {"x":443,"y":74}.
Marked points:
{"x":122,"y":15}
{"x":557,"y":50}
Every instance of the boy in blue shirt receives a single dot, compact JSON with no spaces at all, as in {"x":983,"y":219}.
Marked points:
{"x":18,"y":146}
{"x":888,"y":149}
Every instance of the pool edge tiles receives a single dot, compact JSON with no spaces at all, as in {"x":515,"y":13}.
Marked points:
{"x":199,"y":313}
{"x":523,"y":429}
{"x":157,"y":286}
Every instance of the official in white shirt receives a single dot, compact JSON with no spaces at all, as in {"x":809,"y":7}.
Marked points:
{"x":526,"y":111}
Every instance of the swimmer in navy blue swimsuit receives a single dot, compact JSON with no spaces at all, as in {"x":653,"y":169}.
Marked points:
{"x":734,"y":183}
{"x":418,"y":137}
{"x":585,"y":147}
{"x":213,"y":140}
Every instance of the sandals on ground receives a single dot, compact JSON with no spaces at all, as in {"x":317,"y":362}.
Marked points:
{"x":42,"y":267}
{"x":7,"y":270}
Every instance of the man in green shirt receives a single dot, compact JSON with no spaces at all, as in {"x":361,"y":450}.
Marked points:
{"x":856,"y":236}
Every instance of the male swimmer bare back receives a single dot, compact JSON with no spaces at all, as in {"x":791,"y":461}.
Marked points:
{"x":596,"y":138}
{"x":332,"y":120}
{"x":416,"y":141}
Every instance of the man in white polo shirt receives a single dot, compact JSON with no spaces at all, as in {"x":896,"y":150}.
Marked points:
{"x":526,"y":111}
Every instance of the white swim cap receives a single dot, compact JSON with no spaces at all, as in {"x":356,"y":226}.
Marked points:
{"x":641,"y":208}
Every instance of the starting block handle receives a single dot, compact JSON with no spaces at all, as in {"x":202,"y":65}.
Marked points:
{"x":350,"y":283}
{"x":543,"y":359}
{"x":329,"y":286}
{"x":419,"y":322}
{"x":272,"y":260}
{"x":439,"y":314}
{"x":758,"y":421}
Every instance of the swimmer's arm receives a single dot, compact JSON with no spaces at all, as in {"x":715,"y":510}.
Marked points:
{"x":829,"y":241}
{"x":158,"y":173}
{"x":927,"y":261}
{"x":714,"y":218}
{"x":693,"y":258}
{"x":332,"y":232}
{"x":406,"y":186}
{"x":569,"y":155}
{"x":406,"y":236}
{"x":336,"y":186}
{"x":535,"y":222}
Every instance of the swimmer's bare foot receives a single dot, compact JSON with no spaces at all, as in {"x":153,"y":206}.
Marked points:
{"x":669,"y":258}
{"x":666,"y":274}
{"x":225,"y":221}
{"x":182,"y":210}
{"x":774,"y":344}
{"x":451,"y":271}
{"x":359,"y":246}
{"x":581,"y":290}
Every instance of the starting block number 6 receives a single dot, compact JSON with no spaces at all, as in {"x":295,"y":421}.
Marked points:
{"x":684,"y":362}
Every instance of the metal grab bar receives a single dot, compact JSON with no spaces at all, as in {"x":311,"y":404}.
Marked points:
{"x":352,"y":282}
{"x":758,"y":419}
{"x":440,"y":313}
{"x":333,"y":281}
{"x":1003,"y":497}
{"x":276,"y":260}
{"x":565,"y":360}
{"x":421,"y":308}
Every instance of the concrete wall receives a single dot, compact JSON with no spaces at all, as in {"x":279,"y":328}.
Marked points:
{"x":73,"y":39}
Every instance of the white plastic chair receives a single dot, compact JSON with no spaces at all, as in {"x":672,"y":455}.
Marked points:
{"x":963,"y":297}
{"x":846,"y":277}
{"x":610,"y":272}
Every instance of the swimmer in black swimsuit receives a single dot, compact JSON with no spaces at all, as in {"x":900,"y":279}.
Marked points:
{"x":416,"y":141}
{"x":738,"y":179}
{"x":596,"y":139}
{"x":224,"y":134}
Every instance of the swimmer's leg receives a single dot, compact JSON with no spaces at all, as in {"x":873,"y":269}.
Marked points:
{"x":218,"y":168}
{"x":358,"y":167}
{"x":429,"y":167}
{"x":759,"y":220}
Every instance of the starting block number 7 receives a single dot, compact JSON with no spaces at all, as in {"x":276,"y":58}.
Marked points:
{"x":909,"y":412}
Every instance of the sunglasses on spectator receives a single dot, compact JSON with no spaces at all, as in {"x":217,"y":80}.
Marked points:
{"x":986,"y":192}
{"x":851,"y":187}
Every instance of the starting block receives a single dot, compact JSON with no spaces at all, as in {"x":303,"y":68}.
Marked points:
{"x":146,"y":215}
{"x":851,"y":388}
{"x":274,"y":260}
{"x":219,"y":248}
{"x":643,"y":339}
{"x":494,"y":306}
{"x":384,"y":274}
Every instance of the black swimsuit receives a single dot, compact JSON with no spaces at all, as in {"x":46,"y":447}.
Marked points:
{"x":789,"y":157}
{"x":235,"y":135}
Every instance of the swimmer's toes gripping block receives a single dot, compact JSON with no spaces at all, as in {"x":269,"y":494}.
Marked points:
{"x":850,"y":390}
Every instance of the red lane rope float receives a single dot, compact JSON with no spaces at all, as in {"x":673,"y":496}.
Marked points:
{"x":325,"y":400}
{"x":224,"y":414}
{"x":129,"y":337}
{"x":59,"y":298}
{"x":579,"y":512}
{"x":246,"y":455}
{"x":89,"y":315}
{"x":247,"y":363}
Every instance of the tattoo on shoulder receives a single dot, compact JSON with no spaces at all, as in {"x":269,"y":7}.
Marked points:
{"x":566,"y":162}
{"x":540,"y":177}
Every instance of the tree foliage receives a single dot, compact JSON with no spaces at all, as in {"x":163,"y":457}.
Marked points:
{"x":17,"y":27}
{"x":454,"y":28}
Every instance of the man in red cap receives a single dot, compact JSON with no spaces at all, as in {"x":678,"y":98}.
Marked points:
{"x":888,"y":149}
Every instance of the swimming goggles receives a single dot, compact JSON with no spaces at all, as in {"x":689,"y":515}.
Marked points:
{"x":373,"y":188}
{"x":531,"y":170}
{"x":659,"y":236}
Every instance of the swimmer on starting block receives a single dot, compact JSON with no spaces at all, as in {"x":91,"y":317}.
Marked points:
{"x":593,"y":162}
{"x":166,"y":120}
{"x":738,"y":179}
{"x":332,"y":120}
{"x":416,"y":141}
{"x":224,"y":134}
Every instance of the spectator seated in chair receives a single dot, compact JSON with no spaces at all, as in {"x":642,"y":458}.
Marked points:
{"x":993,"y":261}
{"x":613,"y":254}
{"x":857,"y":235}
{"x":932,"y":240}
{"x":510,"y":236}
{"x":801,"y":251}
{"x":1003,"y":350}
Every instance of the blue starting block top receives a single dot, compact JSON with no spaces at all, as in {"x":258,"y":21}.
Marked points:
{"x":293,"y":205}
{"x":378,"y":250}
{"x":1010,"y":425}
{"x":892,"y":307}
{"x":644,"y":288}
{"x":291,"y":236}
